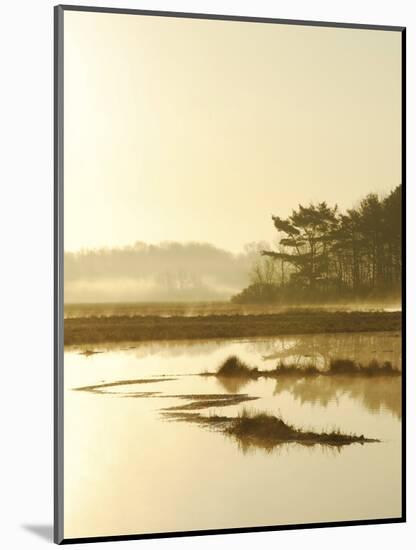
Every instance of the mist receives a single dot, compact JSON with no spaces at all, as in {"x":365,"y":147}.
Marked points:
{"x":168,"y":272}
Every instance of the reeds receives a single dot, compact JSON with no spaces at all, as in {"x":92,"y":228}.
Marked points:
{"x":233,"y":367}
{"x":265,"y":431}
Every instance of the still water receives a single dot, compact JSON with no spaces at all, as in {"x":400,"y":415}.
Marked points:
{"x":129,"y":470}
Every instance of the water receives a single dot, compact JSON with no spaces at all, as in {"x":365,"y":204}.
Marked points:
{"x":128,"y":470}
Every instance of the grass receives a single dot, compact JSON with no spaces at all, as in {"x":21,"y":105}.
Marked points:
{"x":93,"y":330}
{"x":262,"y":427}
{"x":373,"y":368}
{"x":266,"y":431}
{"x":233,"y":367}
{"x":337,"y":367}
{"x":293,"y":370}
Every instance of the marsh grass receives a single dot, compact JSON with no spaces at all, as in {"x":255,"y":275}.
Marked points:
{"x":262,"y":427}
{"x":262,"y":430}
{"x":233,"y":367}
{"x":135,"y":328}
{"x":373,"y":368}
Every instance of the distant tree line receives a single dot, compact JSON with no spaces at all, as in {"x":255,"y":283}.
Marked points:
{"x":324,"y":255}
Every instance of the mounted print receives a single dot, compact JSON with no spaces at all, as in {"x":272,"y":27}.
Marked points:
{"x":229,"y":206}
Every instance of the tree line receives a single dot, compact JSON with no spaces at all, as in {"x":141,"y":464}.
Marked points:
{"x":326,"y":255}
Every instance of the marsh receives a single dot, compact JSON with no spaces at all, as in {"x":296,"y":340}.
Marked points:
{"x":126,"y":442}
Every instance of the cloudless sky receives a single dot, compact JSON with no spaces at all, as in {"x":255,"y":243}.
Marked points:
{"x":193,"y":130}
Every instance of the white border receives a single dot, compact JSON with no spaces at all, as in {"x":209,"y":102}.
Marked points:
{"x":26,"y":225}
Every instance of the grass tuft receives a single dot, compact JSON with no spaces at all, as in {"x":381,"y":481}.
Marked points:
{"x":234,"y":367}
{"x":373,"y":368}
{"x":262,"y":430}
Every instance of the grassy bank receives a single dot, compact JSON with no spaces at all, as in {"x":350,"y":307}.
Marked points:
{"x":261,"y":430}
{"x":233,"y":367}
{"x":89,"y":330}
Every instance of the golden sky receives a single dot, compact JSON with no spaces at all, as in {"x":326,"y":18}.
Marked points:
{"x":196,"y":130}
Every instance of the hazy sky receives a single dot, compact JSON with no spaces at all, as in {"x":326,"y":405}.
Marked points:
{"x":193,"y":130}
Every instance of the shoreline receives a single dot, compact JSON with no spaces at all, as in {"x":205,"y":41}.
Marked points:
{"x":95,"y":330}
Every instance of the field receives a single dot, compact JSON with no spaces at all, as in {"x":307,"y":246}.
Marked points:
{"x":95,"y":330}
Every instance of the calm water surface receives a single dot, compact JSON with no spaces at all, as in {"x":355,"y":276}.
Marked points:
{"x":128,"y":470}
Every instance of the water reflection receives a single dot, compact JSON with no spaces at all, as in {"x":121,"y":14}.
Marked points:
{"x":233,"y":385}
{"x":306,"y":349}
{"x":319,"y":349}
{"x":116,"y":431}
{"x":376,"y":395}
{"x":266,"y":432}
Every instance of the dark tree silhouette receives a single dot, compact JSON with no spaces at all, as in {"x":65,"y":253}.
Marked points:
{"x":308,"y":235}
{"x":331,"y":255}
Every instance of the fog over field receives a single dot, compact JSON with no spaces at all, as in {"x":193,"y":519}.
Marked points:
{"x":169,"y":271}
